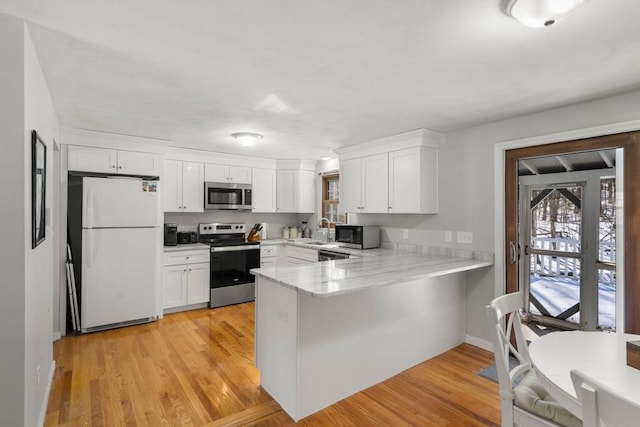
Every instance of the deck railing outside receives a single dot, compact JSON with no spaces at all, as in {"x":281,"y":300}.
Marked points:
{"x":551,"y":266}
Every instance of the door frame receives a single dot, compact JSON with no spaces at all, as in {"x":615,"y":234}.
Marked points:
{"x":578,"y":140}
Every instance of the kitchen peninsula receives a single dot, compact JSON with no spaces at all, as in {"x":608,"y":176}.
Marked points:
{"x":327,"y":330}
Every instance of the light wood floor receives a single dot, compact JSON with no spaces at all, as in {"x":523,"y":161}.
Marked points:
{"x":196,"y":369}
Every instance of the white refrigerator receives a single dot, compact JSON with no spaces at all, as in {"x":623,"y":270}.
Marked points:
{"x":119,"y":251}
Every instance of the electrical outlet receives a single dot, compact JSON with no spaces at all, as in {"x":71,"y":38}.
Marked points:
{"x":448,"y":236}
{"x":405,"y":233}
{"x":465,"y":237}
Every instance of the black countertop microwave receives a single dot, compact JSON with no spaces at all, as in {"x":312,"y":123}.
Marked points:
{"x":358,"y":236}
{"x":221,"y":195}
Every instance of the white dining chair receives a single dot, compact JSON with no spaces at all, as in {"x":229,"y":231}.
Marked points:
{"x":523,"y":400}
{"x":601,"y":406}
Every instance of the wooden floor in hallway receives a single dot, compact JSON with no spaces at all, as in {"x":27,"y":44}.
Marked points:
{"x":196,"y":368}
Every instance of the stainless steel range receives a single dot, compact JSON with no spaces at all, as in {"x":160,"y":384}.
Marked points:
{"x":232,"y":257}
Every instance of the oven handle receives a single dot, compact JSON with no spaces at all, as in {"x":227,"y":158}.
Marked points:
{"x":235,"y":248}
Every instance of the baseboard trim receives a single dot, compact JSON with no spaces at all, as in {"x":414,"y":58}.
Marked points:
{"x":47,"y":391}
{"x":479,"y":342}
{"x":56,"y":336}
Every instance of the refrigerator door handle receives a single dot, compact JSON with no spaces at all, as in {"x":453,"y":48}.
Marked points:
{"x":89,"y":238}
{"x":89,"y":210}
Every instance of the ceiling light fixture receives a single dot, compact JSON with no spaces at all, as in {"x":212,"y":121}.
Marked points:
{"x":539,"y":13}
{"x":246,"y":139}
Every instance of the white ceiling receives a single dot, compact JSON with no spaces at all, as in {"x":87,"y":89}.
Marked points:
{"x":313,"y":75}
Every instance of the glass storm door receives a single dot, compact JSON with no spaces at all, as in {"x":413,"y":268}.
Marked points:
{"x":567,"y":233}
{"x":552,"y":267}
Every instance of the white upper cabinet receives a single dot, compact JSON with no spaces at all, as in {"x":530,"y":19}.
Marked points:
{"x":226,"y":173}
{"x":105,"y":160}
{"x":295,"y":191}
{"x":136,"y":163}
{"x":413,"y":181}
{"x":183,"y":186}
{"x":264,"y":190}
{"x":92,"y":159}
{"x":374,"y":189}
{"x":398,"y":174}
{"x":364,"y":184}
{"x":351,"y":185}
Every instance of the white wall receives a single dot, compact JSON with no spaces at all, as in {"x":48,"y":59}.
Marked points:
{"x":26,"y":319}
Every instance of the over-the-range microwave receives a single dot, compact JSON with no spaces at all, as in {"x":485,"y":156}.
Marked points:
{"x":358,"y":236}
{"x":222,"y":195}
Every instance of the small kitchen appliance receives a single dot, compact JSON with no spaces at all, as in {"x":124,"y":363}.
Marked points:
{"x":220,"y":195}
{"x":232,"y":259}
{"x":187,"y":237}
{"x":358,"y":236}
{"x":170,"y":234}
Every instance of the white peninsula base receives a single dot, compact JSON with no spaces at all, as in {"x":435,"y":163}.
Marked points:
{"x":314,"y":351}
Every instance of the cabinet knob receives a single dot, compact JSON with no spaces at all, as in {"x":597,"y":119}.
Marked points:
{"x":187,"y":257}
{"x":119,"y":167}
{"x":113,"y":166}
{"x":189,"y":269}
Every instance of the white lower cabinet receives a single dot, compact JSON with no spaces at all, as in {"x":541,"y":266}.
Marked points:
{"x":268,"y":256}
{"x":185,"y":278}
{"x":297,"y":255}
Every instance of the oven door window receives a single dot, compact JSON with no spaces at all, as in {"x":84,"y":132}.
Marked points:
{"x":232,"y":268}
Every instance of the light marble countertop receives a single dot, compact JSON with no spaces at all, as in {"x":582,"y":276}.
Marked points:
{"x":330,"y":246}
{"x":186,"y":247}
{"x":380,"y":267}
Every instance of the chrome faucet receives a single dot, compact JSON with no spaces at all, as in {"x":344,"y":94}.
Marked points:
{"x":325,"y":230}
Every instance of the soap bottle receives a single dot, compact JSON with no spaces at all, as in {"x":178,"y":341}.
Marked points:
{"x":304,"y":230}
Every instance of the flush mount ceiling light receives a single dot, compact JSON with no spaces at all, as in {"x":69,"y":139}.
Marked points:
{"x":539,"y":13}
{"x":246,"y":139}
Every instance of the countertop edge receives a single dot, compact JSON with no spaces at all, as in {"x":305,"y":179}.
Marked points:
{"x":446,"y":269}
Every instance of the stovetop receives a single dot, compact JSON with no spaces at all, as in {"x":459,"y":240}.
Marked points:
{"x":215,"y":243}
{"x":218,"y":234}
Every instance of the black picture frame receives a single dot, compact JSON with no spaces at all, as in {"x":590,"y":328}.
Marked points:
{"x":38,"y":188}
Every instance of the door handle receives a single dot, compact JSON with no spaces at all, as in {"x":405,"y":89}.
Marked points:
{"x":90,"y":249}
{"x":513,"y":253}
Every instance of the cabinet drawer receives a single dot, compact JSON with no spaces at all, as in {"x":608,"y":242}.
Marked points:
{"x":269,"y":262}
{"x":186,"y":257}
{"x":302,"y":253}
{"x":267,"y":251}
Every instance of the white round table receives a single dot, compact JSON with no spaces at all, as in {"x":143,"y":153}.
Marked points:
{"x":600,"y":355}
